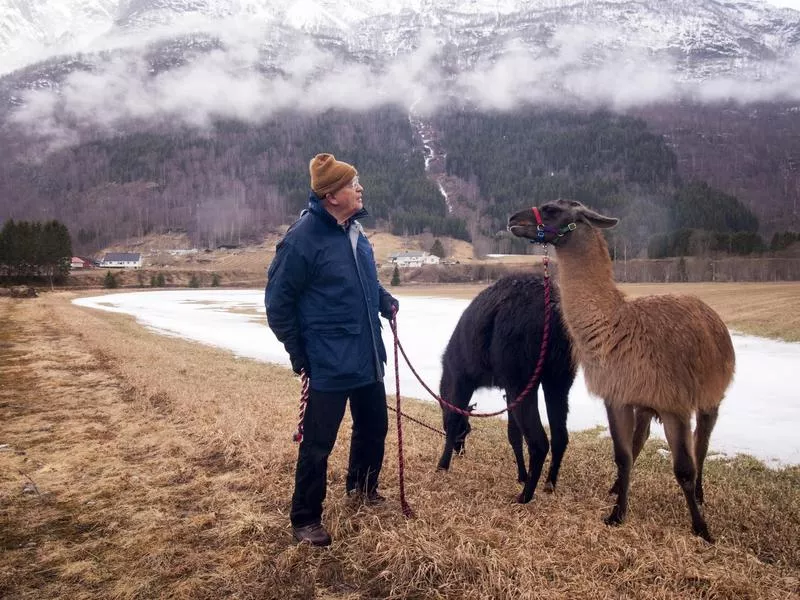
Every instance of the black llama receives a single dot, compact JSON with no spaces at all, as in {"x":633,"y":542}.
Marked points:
{"x":497,"y":343}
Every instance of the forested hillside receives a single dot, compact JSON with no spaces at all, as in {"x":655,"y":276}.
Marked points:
{"x":751,"y":151}
{"x":232,"y":183}
{"x":225,"y":185}
{"x":610,"y":162}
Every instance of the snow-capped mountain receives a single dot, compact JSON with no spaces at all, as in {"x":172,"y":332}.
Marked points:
{"x":705,"y":36}
{"x":115,"y":62}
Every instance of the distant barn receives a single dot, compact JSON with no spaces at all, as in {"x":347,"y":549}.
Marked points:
{"x":79,"y":262}
{"x":122,"y":260}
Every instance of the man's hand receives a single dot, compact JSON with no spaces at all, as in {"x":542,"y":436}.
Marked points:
{"x":299,"y":364}
{"x":389,"y":305}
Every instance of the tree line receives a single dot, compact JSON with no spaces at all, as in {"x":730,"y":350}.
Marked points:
{"x":228,"y":185}
{"x":31,"y":250}
{"x":231,"y":184}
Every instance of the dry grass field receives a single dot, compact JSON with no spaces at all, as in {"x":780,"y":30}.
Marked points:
{"x":173,"y":256}
{"x":139,"y":466}
{"x":158,"y":251}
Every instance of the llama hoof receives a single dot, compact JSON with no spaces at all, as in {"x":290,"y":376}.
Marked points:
{"x":703,"y":533}
{"x":549,"y":487}
{"x":522,"y":500}
{"x":440,"y":469}
{"x":614,"y":519}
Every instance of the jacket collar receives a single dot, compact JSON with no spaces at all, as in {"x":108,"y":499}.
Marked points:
{"x":315,"y":206}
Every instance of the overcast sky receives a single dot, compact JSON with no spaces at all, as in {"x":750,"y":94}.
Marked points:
{"x":795,"y":4}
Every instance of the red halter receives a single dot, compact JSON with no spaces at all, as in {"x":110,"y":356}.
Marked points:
{"x":537,"y":215}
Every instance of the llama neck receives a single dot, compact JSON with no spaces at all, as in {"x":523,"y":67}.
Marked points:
{"x":589,"y":298}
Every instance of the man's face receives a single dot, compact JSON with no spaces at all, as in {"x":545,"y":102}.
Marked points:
{"x":348,"y":199}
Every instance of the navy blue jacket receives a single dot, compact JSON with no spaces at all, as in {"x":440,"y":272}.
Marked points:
{"x":323,"y":305}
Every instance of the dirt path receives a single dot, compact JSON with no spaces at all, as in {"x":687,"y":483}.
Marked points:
{"x":102,"y":494}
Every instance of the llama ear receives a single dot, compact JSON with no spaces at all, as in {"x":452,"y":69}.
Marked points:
{"x":597,"y":220}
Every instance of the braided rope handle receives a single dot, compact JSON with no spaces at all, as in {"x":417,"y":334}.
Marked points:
{"x":304,"y":381}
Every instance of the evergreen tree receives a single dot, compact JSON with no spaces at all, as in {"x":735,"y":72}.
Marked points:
{"x":780,"y":240}
{"x":700,"y":206}
{"x":4,"y":249}
{"x":194,"y":282}
{"x":437,"y":249}
{"x":110,"y":282}
{"x":160,"y":281}
{"x":55,"y":251}
{"x":215,"y":280}
{"x":33,"y":249}
{"x":395,"y":276}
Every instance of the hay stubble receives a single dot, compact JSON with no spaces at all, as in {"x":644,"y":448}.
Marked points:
{"x":165,"y":469}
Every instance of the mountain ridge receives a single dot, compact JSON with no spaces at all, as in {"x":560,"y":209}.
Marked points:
{"x":159,"y":73}
{"x":744,"y":30}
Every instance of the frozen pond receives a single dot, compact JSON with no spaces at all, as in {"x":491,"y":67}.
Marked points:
{"x":760,"y":415}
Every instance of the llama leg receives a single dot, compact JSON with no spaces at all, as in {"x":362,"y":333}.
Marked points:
{"x":515,"y":439}
{"x":641,"y":431}
{"x":447,"y":454}
{"x":538,"y":445}
{"x":702,"y":433}
{"x":620,"y":423}
{"x":679,"y":436}
{"x":557,"y":407}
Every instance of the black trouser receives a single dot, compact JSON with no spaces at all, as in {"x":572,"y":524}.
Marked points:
{"x":323,"y":416}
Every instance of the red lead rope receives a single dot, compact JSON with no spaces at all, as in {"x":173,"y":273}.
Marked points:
{"x":401,"y":467}
{"x":407,"y":510}
{"x":533,"y":380}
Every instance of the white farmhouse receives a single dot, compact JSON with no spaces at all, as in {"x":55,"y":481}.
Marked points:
{"x":413,"y":259}
{"x":122,"y":260}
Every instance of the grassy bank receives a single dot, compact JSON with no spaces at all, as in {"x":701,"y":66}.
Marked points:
{"x":141,"y":466}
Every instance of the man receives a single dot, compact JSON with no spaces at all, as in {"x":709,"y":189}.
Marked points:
{"x":323,"y":298}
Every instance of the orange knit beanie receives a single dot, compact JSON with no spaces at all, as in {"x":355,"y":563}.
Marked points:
{"x":329,"y":175}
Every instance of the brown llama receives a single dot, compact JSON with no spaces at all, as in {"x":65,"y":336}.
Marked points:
{"x":664,"y":356}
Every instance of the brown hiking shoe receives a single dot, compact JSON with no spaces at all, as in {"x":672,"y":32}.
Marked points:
{"x":374,"y":498}
{"x":370,"y":499}
{"x":314,"y":534}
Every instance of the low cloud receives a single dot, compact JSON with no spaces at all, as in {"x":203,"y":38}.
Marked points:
{"x":575,"y":69}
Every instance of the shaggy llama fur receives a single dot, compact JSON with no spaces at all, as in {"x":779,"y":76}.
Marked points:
{"x":664,"y":356}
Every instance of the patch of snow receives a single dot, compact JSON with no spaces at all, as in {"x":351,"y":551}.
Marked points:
{"x":760,"y":415}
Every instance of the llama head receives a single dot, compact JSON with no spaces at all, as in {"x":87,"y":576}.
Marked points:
{"x":457,"y":426}
{"x":552,"y":222}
